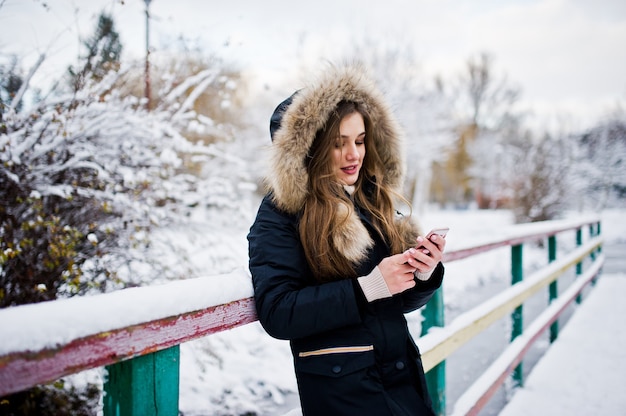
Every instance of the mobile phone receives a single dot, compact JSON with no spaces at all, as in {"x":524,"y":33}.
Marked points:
{"x":441,"y":231}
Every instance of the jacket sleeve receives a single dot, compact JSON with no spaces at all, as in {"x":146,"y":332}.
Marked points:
{"x":290,"y":303}
{"x":421,"y":293}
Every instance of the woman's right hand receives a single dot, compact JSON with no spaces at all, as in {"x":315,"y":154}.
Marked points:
{"x":398,"y":274}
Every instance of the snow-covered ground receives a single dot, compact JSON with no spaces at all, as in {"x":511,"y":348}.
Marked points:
{"x":584,"y":371}
{"x":246,"y":370}
{"x":243,"y":370}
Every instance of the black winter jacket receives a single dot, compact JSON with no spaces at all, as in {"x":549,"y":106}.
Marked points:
{"x":351,"y":357}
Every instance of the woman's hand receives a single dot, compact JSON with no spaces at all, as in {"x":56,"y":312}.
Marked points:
{"x":397,"y":272}
{"x":428,"y":253}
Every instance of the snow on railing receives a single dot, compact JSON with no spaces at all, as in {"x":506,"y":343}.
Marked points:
{"x":438,"y":341}
{"x":42,"y":342}
{"x":485,"y":386}
{"x":45,"y":341}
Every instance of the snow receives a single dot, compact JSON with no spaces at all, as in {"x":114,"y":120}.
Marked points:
{"x":23,"y":328}
{"x":187,"y":225}
{"x":505,"y":361}
{"x":244,"y":370}
{"x":534,"y":282}
{"x":584,"y":370}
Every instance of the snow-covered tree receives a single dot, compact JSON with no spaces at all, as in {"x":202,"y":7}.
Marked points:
{"x":484,"y":118}
{"x":420,"y":105}
{"x":89,"y":183}
{"x":96,"y":194}
{"x":601,"y":161}
{"x":11,"y":80}
{"x":540,"y":178}
{"x":103,"y":51}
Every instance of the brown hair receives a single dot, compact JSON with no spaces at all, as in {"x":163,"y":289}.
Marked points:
{"x":322,"y":206}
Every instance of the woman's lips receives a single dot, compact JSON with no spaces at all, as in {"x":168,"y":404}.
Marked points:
{"x":350,"y":170}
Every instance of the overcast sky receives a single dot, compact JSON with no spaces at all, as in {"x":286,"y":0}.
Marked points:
{"x":567,"y":56}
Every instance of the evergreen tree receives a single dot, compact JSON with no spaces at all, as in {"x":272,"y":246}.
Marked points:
{"x":10,"y":83}
{"x":103,"y":53}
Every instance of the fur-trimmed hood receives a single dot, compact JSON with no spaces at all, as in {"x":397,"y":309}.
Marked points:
{"x":294,"y":125}
{"x":296,"y":121}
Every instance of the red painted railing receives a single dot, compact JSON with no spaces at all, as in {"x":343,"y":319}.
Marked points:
{"x":21,"y":368}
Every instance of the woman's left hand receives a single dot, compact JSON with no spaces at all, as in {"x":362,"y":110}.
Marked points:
{"x":427,"y":253}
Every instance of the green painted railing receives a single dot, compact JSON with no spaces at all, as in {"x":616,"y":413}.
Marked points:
{"x":142,"y":358}
{"x":437,"y":346}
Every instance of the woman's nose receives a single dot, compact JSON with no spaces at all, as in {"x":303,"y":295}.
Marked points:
{"x":351,"y":152}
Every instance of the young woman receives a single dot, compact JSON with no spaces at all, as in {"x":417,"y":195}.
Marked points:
{"x":334,"y":266}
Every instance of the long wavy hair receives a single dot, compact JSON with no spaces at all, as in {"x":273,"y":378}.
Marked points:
{"x":327,"y":204}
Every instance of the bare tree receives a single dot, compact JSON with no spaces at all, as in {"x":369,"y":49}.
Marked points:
{"x":490,"y":98}
{"x":601,"y":163}
{"x":541,"y":177}
{"x":421,"y":106}
{"x":484,"y":104}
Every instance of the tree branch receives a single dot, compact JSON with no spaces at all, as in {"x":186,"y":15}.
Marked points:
{"x":24,"y":87}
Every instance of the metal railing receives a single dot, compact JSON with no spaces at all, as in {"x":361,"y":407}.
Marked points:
{"x":142,"y":356}
{"x":436,"y":346}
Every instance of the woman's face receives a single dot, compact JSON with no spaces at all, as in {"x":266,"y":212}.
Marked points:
{"x":349,"y":149}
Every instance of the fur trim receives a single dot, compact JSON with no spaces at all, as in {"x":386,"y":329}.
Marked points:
{"x":409,"y":230}
{"x":350,"y":236}
{"x":308,"y":113}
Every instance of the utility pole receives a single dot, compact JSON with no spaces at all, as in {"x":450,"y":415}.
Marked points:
{"x":147,"y":74}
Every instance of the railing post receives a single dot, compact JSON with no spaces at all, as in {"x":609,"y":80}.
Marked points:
{"x":436,"y":377}
{"x":598,"y":231}
{"x":517,"y":275}
{"x":579,"y":265}
{"x":553,"y":288}
{"x":144,"y":385}
{"x":592,"y":233}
